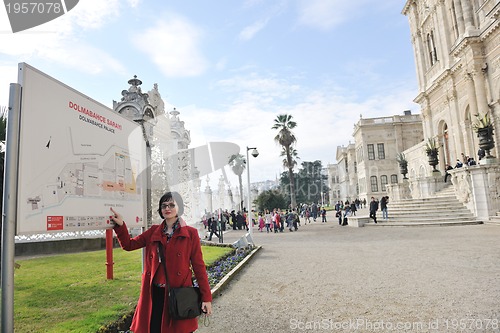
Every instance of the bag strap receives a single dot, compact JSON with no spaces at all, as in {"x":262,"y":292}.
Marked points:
{"x":163,"y":263}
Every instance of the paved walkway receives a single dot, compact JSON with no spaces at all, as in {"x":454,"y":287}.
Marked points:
{"x":328,"y":278}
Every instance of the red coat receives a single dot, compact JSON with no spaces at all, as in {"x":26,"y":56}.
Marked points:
{"x":181,"y":252}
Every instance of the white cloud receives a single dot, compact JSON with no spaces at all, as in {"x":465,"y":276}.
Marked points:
{"x":8,"y":75}
{"x":252,"y":3}
{"x":87,"y":58}
{"x":57,"y":41}
{"x":93,"y":14}
{"x":267,"y":88}
{"x":134,"y":3}
{"x":221,"y":64}
{"x":271,"y":11}
{"x":176,"y":49}
{"x":325,"y":15}
{"x":325,"y":118}
{"x":250,"y":31}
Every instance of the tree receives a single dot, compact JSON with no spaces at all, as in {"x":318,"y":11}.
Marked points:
{"x":285,"y":137}
{"x":270,"y":199}
{"x":295,"y":157}
{"x":238,"y":163}
{"x":311,"y":182}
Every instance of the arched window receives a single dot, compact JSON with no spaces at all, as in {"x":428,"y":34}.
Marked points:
{"x":446,"y":138}
{"x":374,"y":183}
{"x":394,"y":179}
{"x":383,"y":182}
{"x":454,"y":22}
{"x":432,"y":48}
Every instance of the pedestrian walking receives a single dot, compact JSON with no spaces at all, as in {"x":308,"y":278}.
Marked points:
{"x":373,"y":209}
{"x":233,"y":219}
{"x":347,"y":210}
{"x":354,"y":208}
{"x":268,"y":220}
{"x":262,"y":224}
{"x":213,"y":225}
{"x":314,"y":211}
{"x":277,"y":220}
{"x":383,"y":207}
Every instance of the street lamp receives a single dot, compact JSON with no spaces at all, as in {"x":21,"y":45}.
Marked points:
{"x":255,"y":153}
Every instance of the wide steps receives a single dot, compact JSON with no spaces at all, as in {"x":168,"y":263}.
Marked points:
{"x":443,"y":208}
{"x":494,"y":219}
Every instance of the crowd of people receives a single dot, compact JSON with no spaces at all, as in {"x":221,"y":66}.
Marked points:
{"x":466,"y":160}
{"x":274,"y":221}
{"x":343,"y":210}
{"x":278,"y":220}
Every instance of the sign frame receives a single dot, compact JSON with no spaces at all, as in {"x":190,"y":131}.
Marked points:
{"x":77,"y":158}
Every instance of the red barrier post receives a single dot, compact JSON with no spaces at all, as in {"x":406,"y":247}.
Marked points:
{"x":109,"y":254}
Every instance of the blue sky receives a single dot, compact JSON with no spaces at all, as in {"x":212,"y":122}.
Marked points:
{"x":230,"y":67}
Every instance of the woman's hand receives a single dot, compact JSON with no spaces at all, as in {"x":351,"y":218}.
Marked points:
{"x":116,"y":217}
{"x":206,"y":307}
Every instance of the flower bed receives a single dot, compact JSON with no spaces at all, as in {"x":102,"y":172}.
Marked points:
{"x":220,"y":268}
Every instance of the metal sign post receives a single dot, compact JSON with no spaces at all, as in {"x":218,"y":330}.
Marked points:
{"x":9,"y":214}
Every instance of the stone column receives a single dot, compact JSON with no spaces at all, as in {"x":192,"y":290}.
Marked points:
{"x":458,"y":136}
{"x":196,"y":184}
{"x":480,"y":194}
{"x":480,"y":86}
{"x":468,"y":16}
{"x":230,"y":195}
{"x":400,"y":191}
{"x":478,"y":188}
{"x":221,"y":193}
{"x":427,"y":119}
{"x":420,"y":59}
{"x":208,"y":196}
{"x":444,"y":40}
{"x":471,"y":93}
{"x":459,"y":16}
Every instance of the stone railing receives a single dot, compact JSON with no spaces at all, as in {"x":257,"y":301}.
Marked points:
{"x":417,"y":188}
{"x":478,"y":188}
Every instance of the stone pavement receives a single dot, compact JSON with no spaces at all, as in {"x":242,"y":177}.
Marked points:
{"x":328,"y":278}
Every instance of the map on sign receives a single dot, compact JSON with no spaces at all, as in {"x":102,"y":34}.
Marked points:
{"x":77,"y":158}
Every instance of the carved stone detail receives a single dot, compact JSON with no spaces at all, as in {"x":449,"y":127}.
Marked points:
{"x":462,"y":183}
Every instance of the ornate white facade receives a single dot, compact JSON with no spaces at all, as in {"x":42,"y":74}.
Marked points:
{"x":457,"y":54}
{"x":366,"y":167}
{"x":167,"y":142}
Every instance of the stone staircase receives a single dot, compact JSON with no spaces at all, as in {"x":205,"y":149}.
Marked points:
{"x":443,"y":208}
{"x":494,"y":219}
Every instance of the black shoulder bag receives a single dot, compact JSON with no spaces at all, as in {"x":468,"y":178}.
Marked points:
{"x":183,"y":302}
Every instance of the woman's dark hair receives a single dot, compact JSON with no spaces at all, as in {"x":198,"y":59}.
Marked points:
{"x":169,"y":196}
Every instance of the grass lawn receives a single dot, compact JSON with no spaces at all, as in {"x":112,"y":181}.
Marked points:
{"x":70,"y":293}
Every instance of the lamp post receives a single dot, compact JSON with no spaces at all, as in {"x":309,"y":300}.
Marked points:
{"x":255,"y":153}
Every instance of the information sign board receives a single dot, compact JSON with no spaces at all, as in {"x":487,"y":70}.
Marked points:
{"x":77,"y":158}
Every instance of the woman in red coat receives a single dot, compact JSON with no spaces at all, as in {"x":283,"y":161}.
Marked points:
{"x":182,"y":250}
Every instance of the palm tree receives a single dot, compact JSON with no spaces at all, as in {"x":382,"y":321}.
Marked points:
{"x":238,"y":163}
{"x":286,"y":139}
{"x":295,"y":157}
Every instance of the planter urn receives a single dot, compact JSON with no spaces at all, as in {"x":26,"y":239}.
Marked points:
{"x":486,"y":141}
